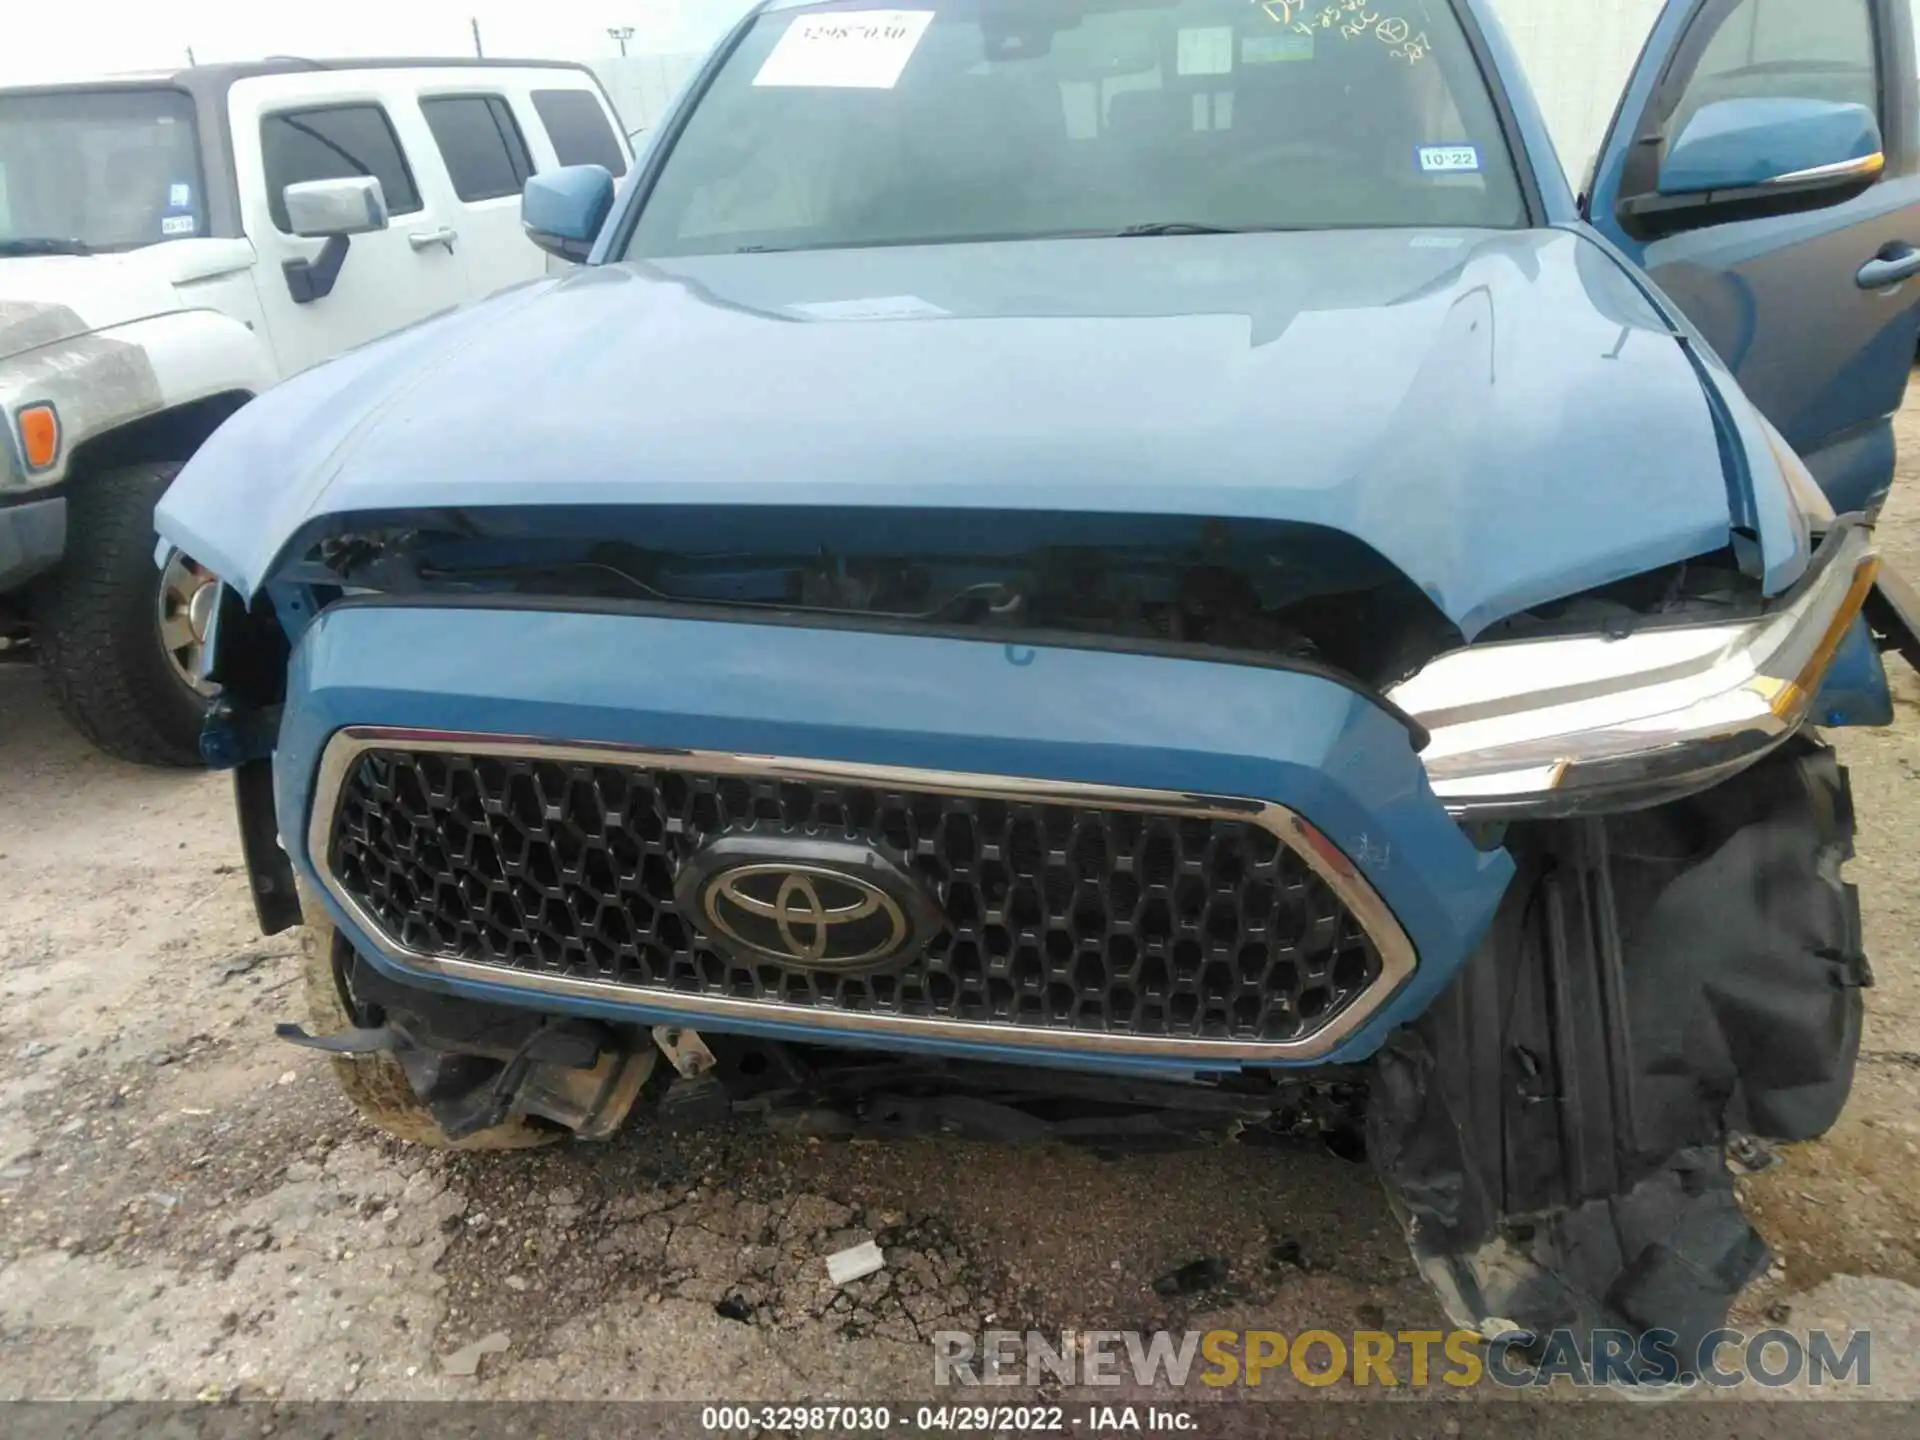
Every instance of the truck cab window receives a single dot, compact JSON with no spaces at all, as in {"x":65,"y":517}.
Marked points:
{"x":481,"y":142}
{"x":334,"y":143}
{"x":578,"y":127}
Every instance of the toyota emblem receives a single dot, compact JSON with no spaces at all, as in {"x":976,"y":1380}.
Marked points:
{"x":821,"y":905}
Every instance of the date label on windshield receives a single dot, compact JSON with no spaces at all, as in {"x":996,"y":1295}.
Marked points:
{"x":845,"y":50}
{"x":1450,"y":159}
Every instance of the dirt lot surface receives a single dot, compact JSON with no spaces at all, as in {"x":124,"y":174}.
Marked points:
{"x":189,"y":1209}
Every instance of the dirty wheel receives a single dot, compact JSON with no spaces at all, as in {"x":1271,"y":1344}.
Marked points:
{"x":114,"y":631}
{"x":376,"y":1084}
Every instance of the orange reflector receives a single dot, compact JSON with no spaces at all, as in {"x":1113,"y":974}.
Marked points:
{"x":1794,"y":695}
{"x":39,"y":435}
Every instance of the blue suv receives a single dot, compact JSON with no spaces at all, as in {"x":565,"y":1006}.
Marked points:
{"x":1123,"y":569}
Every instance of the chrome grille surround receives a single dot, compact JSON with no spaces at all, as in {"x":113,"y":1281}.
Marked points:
{"x":1386,"y":940}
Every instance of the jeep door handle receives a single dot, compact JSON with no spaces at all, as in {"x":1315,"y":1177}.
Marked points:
{"x":427,"y":239}
{"x":1891,"y":266}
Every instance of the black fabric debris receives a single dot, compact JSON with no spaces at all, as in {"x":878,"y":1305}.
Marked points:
{"x":1553,"y":1133}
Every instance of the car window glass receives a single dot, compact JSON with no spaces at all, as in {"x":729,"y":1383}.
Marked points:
{"x":335,"y":143}
{"x":102,"y":169}
{"x":481,"y":143}
{"x":997,"y":121}
{"x":579,"y":129}
{"x":1786,"y":49}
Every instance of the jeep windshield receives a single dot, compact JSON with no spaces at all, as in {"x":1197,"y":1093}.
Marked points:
{"x":836,"y":126}
{"x":87,"y":170}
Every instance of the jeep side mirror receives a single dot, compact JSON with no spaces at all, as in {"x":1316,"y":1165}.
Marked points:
{"x":563,"y":210}
{"x":331,"y":210}
{"x":323,"y":209}
{"x":1744,"y":159}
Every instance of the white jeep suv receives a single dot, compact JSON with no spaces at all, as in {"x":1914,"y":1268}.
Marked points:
{"x":171,"y":245}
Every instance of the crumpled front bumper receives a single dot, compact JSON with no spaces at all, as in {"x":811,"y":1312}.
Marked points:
{"x":1078,"y":717}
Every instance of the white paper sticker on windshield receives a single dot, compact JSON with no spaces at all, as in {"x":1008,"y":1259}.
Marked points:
{"x":1206,"y":50}
{"x":176,"y":225}
{"x":885,"y":307}
{"x":1450,"y":159}
{"x":846,"y":50}
{"x":179,"y":196}
{"x":1275,"y":49}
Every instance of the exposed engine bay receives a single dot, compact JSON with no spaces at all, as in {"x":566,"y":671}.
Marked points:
{"x":1246,"y":592}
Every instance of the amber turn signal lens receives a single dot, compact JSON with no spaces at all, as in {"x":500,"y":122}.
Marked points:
{"x":39,"y":435}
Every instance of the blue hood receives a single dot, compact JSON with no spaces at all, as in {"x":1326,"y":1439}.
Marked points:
{"x":1503,"y":416}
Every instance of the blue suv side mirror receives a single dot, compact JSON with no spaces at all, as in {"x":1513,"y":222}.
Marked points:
{"x":1735,"y":144}
{"x":1744,"y":159}
{"x":563,"y":210}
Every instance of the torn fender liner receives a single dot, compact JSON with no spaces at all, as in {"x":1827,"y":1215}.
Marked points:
{"x":1552,"y":1132}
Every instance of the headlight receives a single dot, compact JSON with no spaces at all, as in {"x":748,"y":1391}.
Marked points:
{"x":1582,"y":724}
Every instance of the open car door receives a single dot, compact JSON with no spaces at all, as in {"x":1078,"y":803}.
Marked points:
{"x":1764,"y":168}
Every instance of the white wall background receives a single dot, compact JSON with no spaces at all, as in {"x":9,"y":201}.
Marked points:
{"x":1578,"y":55}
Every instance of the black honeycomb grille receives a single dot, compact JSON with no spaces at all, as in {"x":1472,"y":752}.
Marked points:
{"x":1057,"y":917}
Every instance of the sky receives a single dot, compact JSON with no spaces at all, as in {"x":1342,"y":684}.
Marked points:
{"x":94,"y":37}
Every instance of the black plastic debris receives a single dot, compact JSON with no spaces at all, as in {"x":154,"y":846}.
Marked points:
{"x":1286,"y":1251}
{"x":1192,"y":1277}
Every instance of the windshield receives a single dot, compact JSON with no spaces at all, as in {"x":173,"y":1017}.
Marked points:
{"x":836,"y":125}
{"x":90,"y":170}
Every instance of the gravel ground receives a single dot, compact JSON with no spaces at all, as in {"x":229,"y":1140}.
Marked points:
{"x":189,"y":1209}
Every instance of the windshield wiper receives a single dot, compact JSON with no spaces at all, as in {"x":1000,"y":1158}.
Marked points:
{"x":44,"y":245}
{"x":1176,"y":227}
{"x":1158,"y":227}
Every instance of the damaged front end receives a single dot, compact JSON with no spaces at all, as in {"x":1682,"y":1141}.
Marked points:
{"x":1675,"y":973}
{"x":1205,"y":830}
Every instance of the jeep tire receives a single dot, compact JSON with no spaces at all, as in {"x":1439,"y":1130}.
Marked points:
{"x":96,"y":624}
{"x":376,"y":1084}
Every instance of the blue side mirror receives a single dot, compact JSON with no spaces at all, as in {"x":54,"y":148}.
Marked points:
{"x":563,"y":210}
{"x":1774,"y":143}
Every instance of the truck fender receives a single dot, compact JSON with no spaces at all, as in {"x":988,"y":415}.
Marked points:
{"x":107,"y":379}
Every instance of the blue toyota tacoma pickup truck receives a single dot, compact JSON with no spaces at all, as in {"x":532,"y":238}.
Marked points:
{"x":1087,"y":569}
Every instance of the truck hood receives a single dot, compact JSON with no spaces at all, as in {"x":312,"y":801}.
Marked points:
{"x":1502,"y":415}
{"x":45,"y":299}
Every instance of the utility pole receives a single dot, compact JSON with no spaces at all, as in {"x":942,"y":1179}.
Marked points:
{"x":620,"y":34}
{"x":478,"y":52}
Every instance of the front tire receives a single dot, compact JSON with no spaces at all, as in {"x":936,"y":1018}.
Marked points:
{"x":376,"y":1084}
{"x":97,"y":625}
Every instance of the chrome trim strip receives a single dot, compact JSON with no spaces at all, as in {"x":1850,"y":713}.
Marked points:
{"x":1859,"y":168}
{"x":1397,"y":957}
